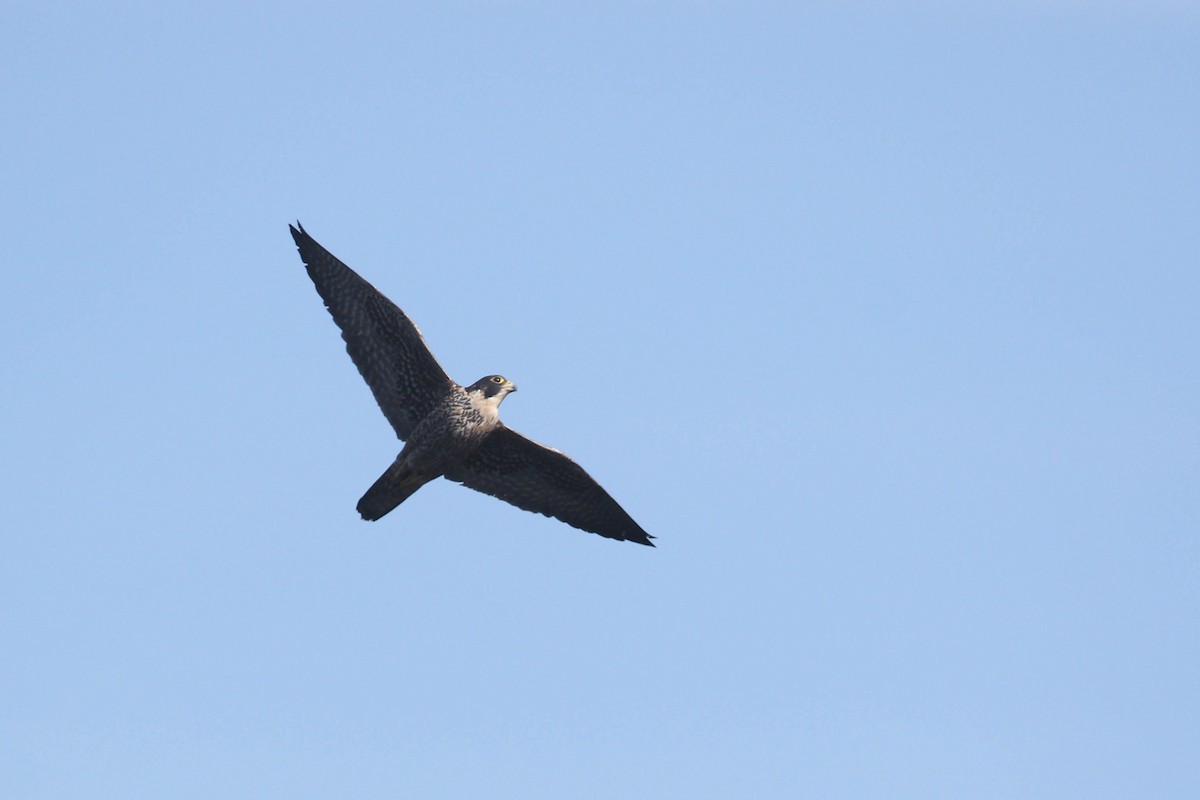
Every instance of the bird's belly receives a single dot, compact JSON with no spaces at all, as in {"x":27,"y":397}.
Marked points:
{"x":445,"y":438}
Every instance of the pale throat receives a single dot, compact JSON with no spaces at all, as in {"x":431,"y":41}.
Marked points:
{"x":489,"y":407}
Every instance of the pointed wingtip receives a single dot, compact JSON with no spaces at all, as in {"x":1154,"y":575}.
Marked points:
{"x":641,"y":538}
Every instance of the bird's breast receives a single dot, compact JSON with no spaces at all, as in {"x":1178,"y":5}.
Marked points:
{"x":454,"y":428}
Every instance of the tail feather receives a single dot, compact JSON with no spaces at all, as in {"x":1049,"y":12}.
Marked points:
{"x":394,"y":486}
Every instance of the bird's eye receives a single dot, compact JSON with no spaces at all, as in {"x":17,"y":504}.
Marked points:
{"x":497,"y":379}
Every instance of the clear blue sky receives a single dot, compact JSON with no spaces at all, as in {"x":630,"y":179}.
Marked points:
{"x":883,"y":321}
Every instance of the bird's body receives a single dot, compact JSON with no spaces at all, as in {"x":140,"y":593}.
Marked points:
{"x":449,"y":430}
{"x":443,"y":440}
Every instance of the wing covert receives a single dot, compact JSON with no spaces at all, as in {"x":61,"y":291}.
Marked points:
{"x":383,"y":342}
{"x":537,"y":478}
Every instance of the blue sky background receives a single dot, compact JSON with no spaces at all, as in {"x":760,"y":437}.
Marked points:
{"x":883,"y":320}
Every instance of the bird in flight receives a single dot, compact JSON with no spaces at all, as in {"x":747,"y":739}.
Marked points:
{"x":449,"y":430}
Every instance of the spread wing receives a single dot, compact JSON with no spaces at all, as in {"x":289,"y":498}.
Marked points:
{"x":382,"y":341}
{"x":541,"y":479}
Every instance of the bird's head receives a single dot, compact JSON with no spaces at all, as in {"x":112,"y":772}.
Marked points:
{"x":493,"y":386}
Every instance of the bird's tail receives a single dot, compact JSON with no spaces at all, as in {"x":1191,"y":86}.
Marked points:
{"x":394,"y":486}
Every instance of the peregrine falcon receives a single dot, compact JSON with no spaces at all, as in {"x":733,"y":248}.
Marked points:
{"x":449,"y":431}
